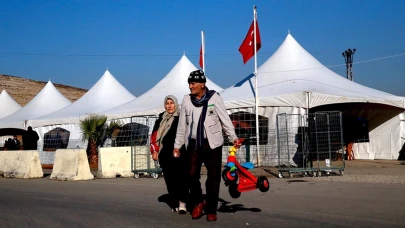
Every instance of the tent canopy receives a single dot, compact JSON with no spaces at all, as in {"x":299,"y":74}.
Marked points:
{"x":48,"y":100}
{"x":291,"y":75}
{"x":375,"y":114}
{"x":8,"y":104}
{"x":105,"y":94}
{"x":151,"y":102}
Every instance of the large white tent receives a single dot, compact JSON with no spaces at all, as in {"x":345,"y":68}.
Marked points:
{"x":48,"y":100}
{"x":105,"y":94}
{"x":293,"y":81}
{"x":8,"y":104}
{"x":151,"y":102}
{"x":286,"y":77}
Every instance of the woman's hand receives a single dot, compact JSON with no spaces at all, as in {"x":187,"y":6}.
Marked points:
{"x":155,"y":156}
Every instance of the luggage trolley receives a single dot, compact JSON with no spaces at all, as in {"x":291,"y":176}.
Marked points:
{"x":141,"y":159}
{"x":310,"y":144}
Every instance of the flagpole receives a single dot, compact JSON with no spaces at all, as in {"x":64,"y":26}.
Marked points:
{"x":256,"y":89}
{"x":203,"y":50}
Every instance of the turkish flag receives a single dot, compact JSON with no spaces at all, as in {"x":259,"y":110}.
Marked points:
{"x":201,"y":58}
{"x":247,"y":46}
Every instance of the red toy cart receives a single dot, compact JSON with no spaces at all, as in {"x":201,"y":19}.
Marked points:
{"x":238,"y":179}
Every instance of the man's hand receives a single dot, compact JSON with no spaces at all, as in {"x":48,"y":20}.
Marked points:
{"x":155,"y":156}
{"x":176,"y":152}
{"x":237,"y":143}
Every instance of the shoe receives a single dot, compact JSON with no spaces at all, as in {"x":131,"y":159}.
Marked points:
{"x":211,"y":217}
{"x":175,"y":209}
{"x":197,"y":212}
{"x":182,"y":208}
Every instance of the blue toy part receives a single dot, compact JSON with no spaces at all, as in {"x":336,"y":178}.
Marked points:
{"x":248,"y":165}
{"x":230,"y":164}
{"x":232,"y":168}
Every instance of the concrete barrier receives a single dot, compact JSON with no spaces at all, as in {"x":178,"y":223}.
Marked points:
{"x":113,"y":161}
{"x":20,"y":164}
{"x":71,"y":165}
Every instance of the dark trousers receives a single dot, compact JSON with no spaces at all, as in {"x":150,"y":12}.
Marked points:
{"x":212,"y":159}
{"x":175,"y":172}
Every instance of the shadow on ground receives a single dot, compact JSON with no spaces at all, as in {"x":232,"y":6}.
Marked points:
{"x":227,"y":207}
{"x":296,"y":181}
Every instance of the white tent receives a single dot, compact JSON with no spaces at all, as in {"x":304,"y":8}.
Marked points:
{"x":286,"y":77}
{"x":293,"y":81}
{"x":8,"y":104}
{"x":105,"y":94}
{"x":385,"y":141}
{"x":48,"y":100}
{"x":151,"y":102}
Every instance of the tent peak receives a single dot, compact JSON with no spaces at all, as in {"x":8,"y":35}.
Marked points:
{"x":183,"y":58}
{"x":289,"y":32}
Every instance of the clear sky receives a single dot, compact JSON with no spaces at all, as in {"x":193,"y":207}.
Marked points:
{"x":73,"y":42}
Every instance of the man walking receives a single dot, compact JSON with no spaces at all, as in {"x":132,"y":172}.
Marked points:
{"x":202,"y":118}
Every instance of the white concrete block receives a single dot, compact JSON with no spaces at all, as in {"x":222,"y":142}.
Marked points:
{"x":113,"y":161}
{"x":71,"y":165}
{"x":20,"y":164}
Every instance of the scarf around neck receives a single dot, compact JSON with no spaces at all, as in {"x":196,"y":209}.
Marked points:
{"x":204,"y":103}
{"x":167,"y":120}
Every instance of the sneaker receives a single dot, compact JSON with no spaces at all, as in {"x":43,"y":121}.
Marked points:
{"x":182,"y":208}
{"x":175,"y":209}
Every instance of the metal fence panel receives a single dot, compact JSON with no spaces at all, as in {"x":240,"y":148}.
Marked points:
{"x":329,"y":138}
{"x":293,"y":152}
{"x":138,"y":137}
{"x":310,"y":143}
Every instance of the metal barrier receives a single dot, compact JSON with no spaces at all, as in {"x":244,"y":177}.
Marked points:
{"x":138,"y":133}
{"x":310,"y":144}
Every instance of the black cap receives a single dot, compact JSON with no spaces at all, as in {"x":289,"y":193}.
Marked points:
{"x":197,"y":76}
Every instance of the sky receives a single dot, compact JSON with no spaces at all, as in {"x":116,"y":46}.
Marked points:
{"x":73,"y":42}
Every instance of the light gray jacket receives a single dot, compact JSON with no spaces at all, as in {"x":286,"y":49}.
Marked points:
{"x":216,"y":119}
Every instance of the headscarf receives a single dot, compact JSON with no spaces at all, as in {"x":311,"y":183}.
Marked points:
{"x":167,"y":120}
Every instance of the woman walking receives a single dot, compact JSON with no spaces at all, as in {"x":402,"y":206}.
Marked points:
{"x":161,"y":146}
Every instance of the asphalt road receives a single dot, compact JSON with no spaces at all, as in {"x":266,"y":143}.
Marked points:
{"x":135,"y":203}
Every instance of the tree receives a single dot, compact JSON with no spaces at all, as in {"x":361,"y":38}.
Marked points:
{"x":95,"y":129}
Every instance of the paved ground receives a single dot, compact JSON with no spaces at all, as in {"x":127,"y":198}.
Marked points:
{"x":296,"y":202}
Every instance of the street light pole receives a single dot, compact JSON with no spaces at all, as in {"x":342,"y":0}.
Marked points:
{"x":348,"y":55}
